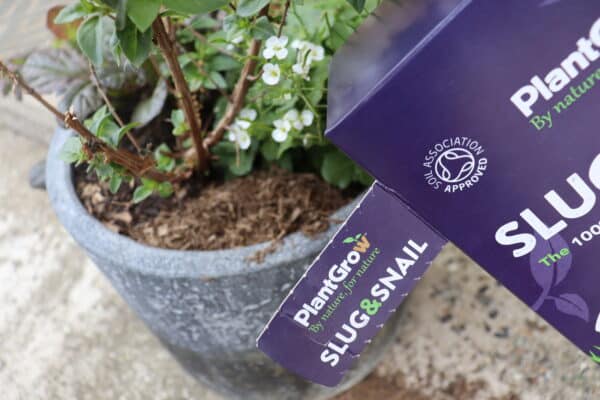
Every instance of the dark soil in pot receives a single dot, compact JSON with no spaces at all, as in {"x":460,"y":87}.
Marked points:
{"x":264,"y":206}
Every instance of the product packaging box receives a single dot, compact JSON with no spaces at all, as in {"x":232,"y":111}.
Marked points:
{"x":481,"y":122}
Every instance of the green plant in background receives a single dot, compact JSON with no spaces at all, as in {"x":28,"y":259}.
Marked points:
{"x":242,"y":85}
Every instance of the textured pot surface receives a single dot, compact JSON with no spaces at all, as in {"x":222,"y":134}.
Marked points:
{"x":207,"y":307}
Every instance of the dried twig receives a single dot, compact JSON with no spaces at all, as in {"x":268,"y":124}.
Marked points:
{"x":141,"y":167}
{"x":185,"y":96}
{"x":283,"y":19}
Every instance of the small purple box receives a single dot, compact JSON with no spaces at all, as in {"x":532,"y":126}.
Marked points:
{"x":480,"y":120}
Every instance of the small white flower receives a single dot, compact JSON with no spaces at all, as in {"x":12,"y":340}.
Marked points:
{"x":243,"y":124}
{"x":298,"y":44}
{"x":235,"y":41}
{"x":287,"y":96}
{"x":244,"y":140}
{"x":271,"y":74}
{"x":249,"y":114}
{"x":293,"y":117}
{"x":302,"y":70}
{"x":282,"y":128}
{"x":276,"y":47}
{"x":240,"y":136}
{"x":316,"y":52}
{"x":307,"y":117}
{"x":307,"y":53}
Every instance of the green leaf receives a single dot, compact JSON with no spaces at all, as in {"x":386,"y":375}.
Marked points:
{"x":90,"y":36}
{"x":121,"y":8}
{"x":362,"y":176}
{"x":204,"y":22}
{"x":70,"y":13}
{"x":123,"y":131}
{"x":135,"y":44}
{"x":180,"y":126}
{"x":227,"y":157}
{"x":148,"y":109}
{"x":108,"y":131}
{"x":262,"y":29}
{"x":195,"y":6}
{"x":216,"y":80}
{"x":245,"y":164}
{"x":357,"y":237}
{"x":349,"y":240}
{"x":71,"y":151}
{"x":269,"y":150}
{"x":165,"y":189}
{"x":223,"y":63}
{"x":359,"y":5}
{"x":337,"y":169}
{"x":286,"y":145}
{"x":247,"y":8}
{"x":318,"y":82}
{"x":164,"y":163}
{"x":115,"y":183}
{"x":143,"y":12}
{"x":93,"y":124}
{"x":141,"y":193}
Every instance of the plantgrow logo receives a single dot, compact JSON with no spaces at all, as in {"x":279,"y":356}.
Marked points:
{"x":361,"y":244}
{"x":334,"y":289}
{"x":455,"y":164}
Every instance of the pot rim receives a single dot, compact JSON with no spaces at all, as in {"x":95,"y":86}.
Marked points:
{"x":99,"y":241}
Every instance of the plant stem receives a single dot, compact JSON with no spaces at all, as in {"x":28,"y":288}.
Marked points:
{"x":185,"y":95}
{"x":141,"y":167}
{"x":283,"y":19}
{"x":111,"y":108}
{"x":239,"y":94}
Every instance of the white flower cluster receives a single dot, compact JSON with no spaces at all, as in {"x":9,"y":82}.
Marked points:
{"x":238,"y":132}
{"x":276,"y":47}
{"x":293,"y":119}
{"x":307,"y":53}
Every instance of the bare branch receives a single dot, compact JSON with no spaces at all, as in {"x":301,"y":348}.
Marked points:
{"x":185,"y":96}
{"x":141,"y":167}
{"x":239,"y":94}
{"x":284,"y":18}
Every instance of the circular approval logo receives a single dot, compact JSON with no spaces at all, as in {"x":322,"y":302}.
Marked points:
{"x":455,"y":164}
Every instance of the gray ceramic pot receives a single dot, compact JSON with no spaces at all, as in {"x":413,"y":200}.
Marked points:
{"x":207,"y":307}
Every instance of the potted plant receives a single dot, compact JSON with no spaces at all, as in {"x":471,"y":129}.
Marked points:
{"x":194,"y":154}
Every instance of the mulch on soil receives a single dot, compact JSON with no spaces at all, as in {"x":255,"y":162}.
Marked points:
{"x":264,"y":206}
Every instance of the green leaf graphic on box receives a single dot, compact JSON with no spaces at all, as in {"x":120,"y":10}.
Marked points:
{"x":595,"y":358}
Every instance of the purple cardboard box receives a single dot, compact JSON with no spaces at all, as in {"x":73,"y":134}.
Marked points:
{"x":480,"y":119}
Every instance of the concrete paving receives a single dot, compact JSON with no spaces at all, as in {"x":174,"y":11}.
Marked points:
{"x":66,"y":334}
